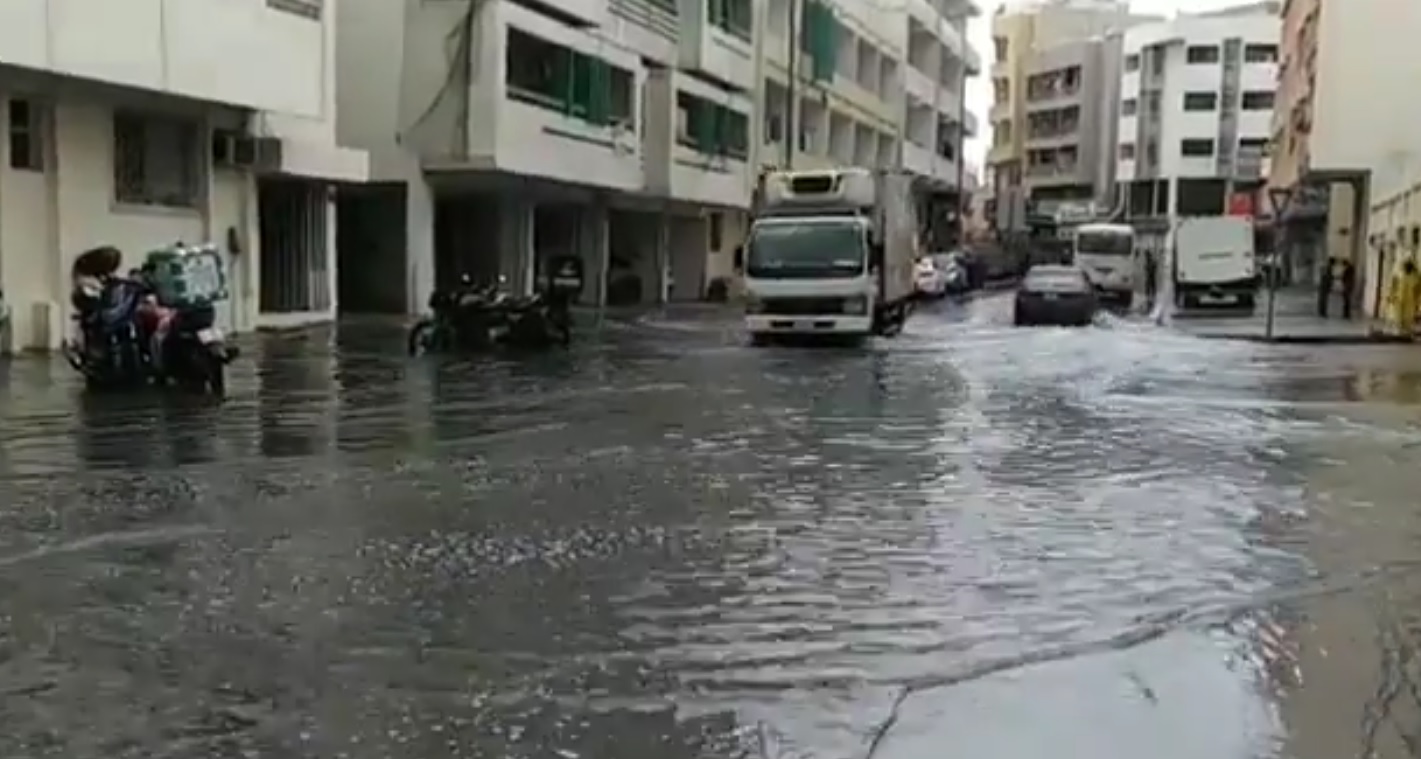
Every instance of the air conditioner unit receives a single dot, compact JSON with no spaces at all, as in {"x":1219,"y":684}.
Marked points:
{"x":231,"y":149}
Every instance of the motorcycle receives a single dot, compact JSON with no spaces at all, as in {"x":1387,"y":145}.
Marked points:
{"x":458,"y":318}
{"x":109,"y":349}
{"x":127,"y":337}
{"x":475,"y":318}
{"x":194,"y":352}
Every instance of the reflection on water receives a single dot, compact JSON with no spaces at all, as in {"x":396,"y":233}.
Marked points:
{"x":1109,"y":542}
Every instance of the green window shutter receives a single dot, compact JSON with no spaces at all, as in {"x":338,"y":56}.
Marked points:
{"x":824,"y":43}
{"x":716,"y":12}
{"x":579,"y":84}
{"x":808,"y":16}
{"x":703,"y":128}
{"x":599,"y":106}
{"x":718,"y":131}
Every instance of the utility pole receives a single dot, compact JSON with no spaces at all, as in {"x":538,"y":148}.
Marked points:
{"x":962,"y":147}
{"x":791,"y":133}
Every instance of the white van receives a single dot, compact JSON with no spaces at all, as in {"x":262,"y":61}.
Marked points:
{"x":1214,"y":263}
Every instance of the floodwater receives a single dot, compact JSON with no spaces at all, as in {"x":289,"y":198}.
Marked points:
{"x":973,"y":540}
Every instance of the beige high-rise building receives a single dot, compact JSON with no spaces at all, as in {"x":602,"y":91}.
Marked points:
{"x":1345,"y":138}
{"x":1040,"y":43}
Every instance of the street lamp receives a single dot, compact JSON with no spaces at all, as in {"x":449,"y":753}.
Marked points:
{"x":1279,"y":198}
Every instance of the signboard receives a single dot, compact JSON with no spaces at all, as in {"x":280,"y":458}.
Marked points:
{"x":1242,"y":204}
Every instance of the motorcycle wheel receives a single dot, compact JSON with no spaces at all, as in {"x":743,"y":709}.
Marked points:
{"x":423,"y":337}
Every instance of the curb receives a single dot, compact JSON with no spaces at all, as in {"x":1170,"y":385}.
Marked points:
{"x":1313,"y":339}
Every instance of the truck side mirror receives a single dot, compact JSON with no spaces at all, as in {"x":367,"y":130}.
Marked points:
{"x":739,"y":258}
{"x":875,"y":256}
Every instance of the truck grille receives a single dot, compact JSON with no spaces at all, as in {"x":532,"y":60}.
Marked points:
{"x":803,"y":306}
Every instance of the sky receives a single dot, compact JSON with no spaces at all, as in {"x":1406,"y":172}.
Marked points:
{"x":979,"y":32}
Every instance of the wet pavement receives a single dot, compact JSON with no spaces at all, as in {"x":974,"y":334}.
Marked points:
{"x":974,"y":540}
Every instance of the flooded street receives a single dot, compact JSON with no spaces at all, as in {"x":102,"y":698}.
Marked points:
{"x":1113,"y":542}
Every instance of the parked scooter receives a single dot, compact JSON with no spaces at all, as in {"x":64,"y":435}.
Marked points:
{"x":481,"y":318}
{"x":108,"y":348}
{"x":155,"y":325}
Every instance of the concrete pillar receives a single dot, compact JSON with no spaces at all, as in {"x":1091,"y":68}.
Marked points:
{"x":594,"y":246}
{"x":419,"y":244}
{"x":516,"y":244}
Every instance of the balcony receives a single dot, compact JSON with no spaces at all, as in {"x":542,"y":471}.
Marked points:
{"x":718,"y":41}
{"x":263,"y":55}
{"x":918,"y":159}
{"x":566,"y":109}
{"x":696,"y":140}
{"x":920,"y":86}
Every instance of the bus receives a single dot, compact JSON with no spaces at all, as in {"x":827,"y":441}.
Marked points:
{"x":1106,"y":253}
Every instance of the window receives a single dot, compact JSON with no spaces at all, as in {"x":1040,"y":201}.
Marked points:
{"x":1260,"y":53}
{"x":1132,"y":62}
{"x":999,"y":47}
{"x":1201,"y":101}
{"x":733,"y":16}
{"x":1196,"y":148}
{"x":1127,"y":151}
{"x":156,"y":160}
{"x":1129,"y":106}
{"x":1258,"y":100}
{"x":712,"y":129}
{"x":308,"y":8}
{"x":819,"y":34}
{"x":1257,"y":145}
{"x":1202,"y":54}
{"x":26,"y":130}
{"x":774,"y":128}
{"x":554,"y":77}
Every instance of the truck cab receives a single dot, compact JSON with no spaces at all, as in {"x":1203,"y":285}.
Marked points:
{"x":827,"y":255}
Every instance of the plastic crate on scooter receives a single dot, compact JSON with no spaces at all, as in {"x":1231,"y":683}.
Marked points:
{"x":187,"y":276}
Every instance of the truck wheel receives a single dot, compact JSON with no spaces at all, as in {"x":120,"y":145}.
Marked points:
{"x":759,"y":339}
{"x":1127,"y":300}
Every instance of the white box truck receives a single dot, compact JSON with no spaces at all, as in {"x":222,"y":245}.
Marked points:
{"x":830,"y":252}
{"x":1214,"y":264}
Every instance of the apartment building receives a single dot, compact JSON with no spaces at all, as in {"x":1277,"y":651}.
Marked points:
{"x":1052,"y":86}
{"x":1344,"y":136}
{"x":506,"y":133}
{"x":1196,"y":111}
{"x":139,"y":123}
{"x":877,"y":84}
{"x":1072,"y":91}
{"x":627,"y":132}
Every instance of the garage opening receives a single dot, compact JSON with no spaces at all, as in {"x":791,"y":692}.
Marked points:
{"x":294,"y":226}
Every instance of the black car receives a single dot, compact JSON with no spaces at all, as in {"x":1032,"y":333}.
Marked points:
{"x":1053,"y":294}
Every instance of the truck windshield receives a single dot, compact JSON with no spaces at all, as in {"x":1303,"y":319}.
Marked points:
{"x":806,"y":249}
{"x":1104,"y":243}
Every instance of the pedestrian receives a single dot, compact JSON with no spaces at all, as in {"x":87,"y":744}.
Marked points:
{"x":1406,"y":298}
{"x":1349,"y":287}
{"x":1324,"y":289}
{"x":1151,"y":276}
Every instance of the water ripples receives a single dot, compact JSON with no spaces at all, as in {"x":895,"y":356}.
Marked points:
{"x":683,"y":549}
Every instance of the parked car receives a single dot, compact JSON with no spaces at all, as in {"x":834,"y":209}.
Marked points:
{"x":929,"y":281}
{"x":1055,"y":295}
{"x":955,"y":272}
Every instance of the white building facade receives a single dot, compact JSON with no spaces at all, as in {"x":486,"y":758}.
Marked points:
{"x":142,"y":123}
{"x":489,"y":162}
{"x":879,"y":84}
{"x":1196,"y":106}
{"x":504,"y":134}
{"x":1347,"y":145}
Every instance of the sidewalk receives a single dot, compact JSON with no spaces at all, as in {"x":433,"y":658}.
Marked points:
{"x":1295,"y":321}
